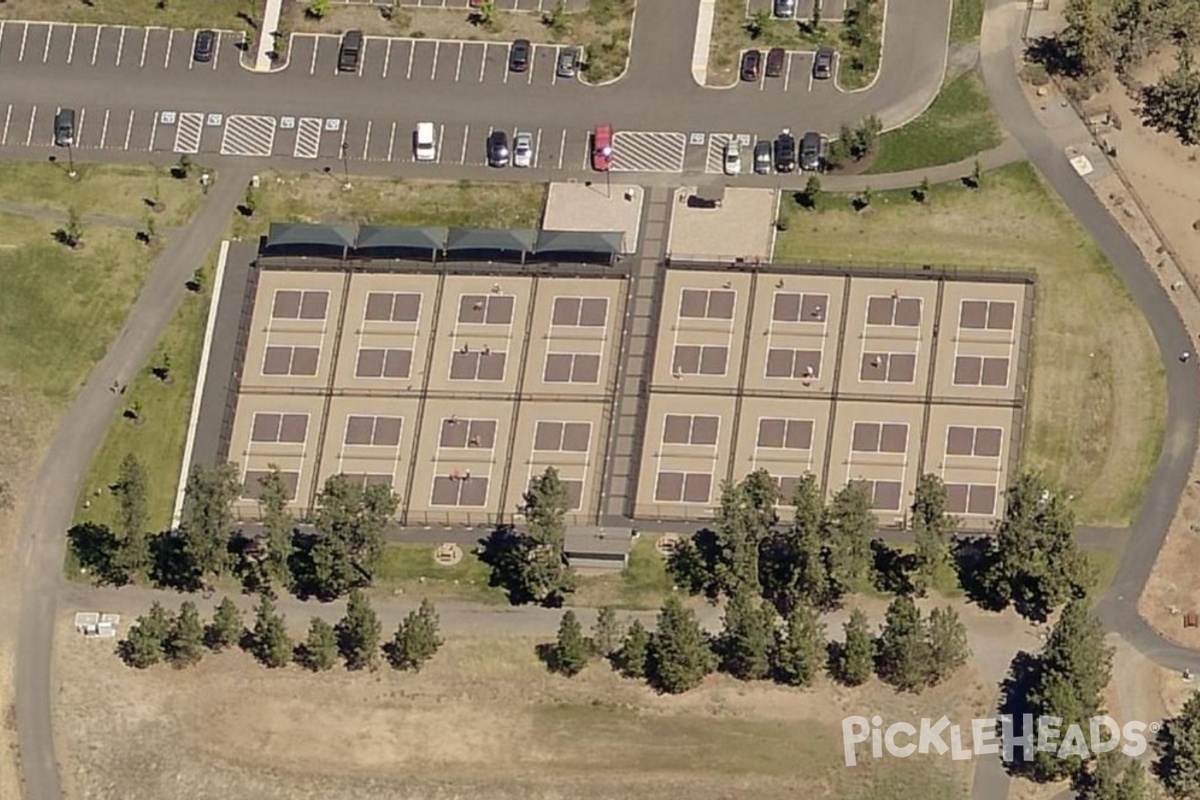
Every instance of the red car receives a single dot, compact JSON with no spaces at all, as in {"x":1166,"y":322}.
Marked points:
{"x":602,"y":148}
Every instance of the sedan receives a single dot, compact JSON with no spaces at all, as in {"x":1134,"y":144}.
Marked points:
{"x":762,"y":157}
{"x":785,"y":152}
{"x":568,"y":62}
{"x":497,"y":149}
{"x":823,"y":63}
{"x":776,"y":59}
{"x":206,"y":44}
{"x":602,"y":152}
{"x":733,"y":159}
{"x":522,"y":155}
{"x":751,"y":64}
{"x":785,"y":9}
{"x":519,"y":55}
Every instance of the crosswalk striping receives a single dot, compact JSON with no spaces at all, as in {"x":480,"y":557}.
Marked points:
{"x":308,"y":137}
{"x":188,"y":128}
{"x":248,"y":135}
{"x":638,"y":151}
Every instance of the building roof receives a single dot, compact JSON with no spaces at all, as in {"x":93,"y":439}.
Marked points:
{"x":518,"y":241}
{"x":609,"y":243}
{"x":299,"y":235}
{"x":583,"y":541}
{"x":388,"y":237}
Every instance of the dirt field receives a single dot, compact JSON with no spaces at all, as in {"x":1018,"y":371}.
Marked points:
{"x":484,"y":719}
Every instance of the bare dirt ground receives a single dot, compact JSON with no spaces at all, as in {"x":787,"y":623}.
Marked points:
{"x":486,"y":719}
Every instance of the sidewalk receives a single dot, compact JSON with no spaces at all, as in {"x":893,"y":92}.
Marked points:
{"x":266,"y":41}
{"x":1010,"y":150}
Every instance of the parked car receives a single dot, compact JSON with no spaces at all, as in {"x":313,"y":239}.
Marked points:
{"x":785,"y":8}
{"x":425,"y":142}
{"x":568,"y":62}
{"x":785,"y":152}
{"x":810,"y":152}
{"x":762,"y":157}
{"x":776,"y":59}
{"x":823,"y":63}
{"x":206,"y":45}
{"x":497,"y":149}
{"x":602,"y":141}
{"x":751,"y":64}
{"x":522,"y":155}
{"x":519,"y":55}
{"x":350,"y":51}
{"x":64,"y":127}
{"x":733,"y":159}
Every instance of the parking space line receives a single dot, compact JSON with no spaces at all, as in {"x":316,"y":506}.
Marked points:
{"x":71,"y":47}
{"x":483,"y":62}
{"x":433,"y":72}
{"x":391,"y":141}
{"x":216,"y":51}
{"x":437,"y":159}
{"x":562,"y":148}
{"x":507,"y":57}
{"x":24,"y":35}
{"x":412,"y":51}
{"x":312,"y":67}
{"x":810,"y":77}
{"x":458,"y":66}
{"x":7,"y":120}
{"x":145,"y":42}
{"x":367,"y":141}
{"x":462,"y":159}
{"x":120,"y":46}
{"x":46,"y":49}
{"x":78,"y":129}
{"x":96,"y":44}
{"x":1,"y":32}
{"x":532,"y":66}
{"x":104,"y":130}
{"x":787,"y":75}
{"x":32,"y":120}
{"x":362,"y":60}
{"x":342,"y":144}
{"x":387,"y":57}
{"x":153,"y":132}
{"x":192,"y":61}
{"x":537,"y":149}
{"x":129,"y":130}
{"x":170,"y":41}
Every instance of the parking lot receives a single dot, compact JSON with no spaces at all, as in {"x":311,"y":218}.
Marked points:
{"x":501,"y":5}
{"x":111,"y":47}
{"x":831,"y":10}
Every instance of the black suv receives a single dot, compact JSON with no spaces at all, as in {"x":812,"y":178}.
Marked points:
{"x":823,"y":63}
{"x":350,"y":52}
{"x":519,"y":55}
{"x":810,"y":152}
{"x":497,"y":149}
{"x":206,"y":43}
{"x":785,"y":152}
{"x":751,"y":65}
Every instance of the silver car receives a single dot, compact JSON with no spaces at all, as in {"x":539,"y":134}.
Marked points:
{"x":523,"y":150}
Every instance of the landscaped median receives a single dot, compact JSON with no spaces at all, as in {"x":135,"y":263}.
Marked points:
{"x":1097,"y":401}
{"x":217,"y":14}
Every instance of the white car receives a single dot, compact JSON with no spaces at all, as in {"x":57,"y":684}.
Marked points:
{"x":523,"y":150}
{"x":733,"y":159}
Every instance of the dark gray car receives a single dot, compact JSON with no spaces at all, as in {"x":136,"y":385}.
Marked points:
{"x":823,"y":63}
{"x":497,"y":149}
{"x":64,"y":127}
{"x":810,"y":152}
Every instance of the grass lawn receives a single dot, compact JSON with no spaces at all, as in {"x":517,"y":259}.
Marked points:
{"x":308,"y":197}
{"x":644,"y":584}
{"x":412,"y":569}
{"x":966,"y":21}
{"x":958,"y":125}
{"x":221,"y":14}
{"x":166,"y":408}
{"x":1105,"y":564}
{"x":1096,"y":401}
{"x":110,"y":189}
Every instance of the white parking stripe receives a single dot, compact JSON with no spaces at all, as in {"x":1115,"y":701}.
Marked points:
{"x":96,"y":44}
{"x":216,"y":51}
{"x":391,"y":141}
{"x":24,"y":35}
{"x":46,"y":49}
{"x":312,"y":67}
{"x":433,"y":71}
{"x":810,"y":77}
{"x":787,"y":75}
{"x":483,"y":62}
{"x":532,"y":66}
{"x":462,"y":159}
{"x":362,"y":57}
{"x":458,"y":66}
{"x":7,"y":120}
{"x":71,"y":48}
{"x":537,"y":149}
{"x":1,"y":33}
{"x":387,"y":58}
{"x":412,"y":50}
{"x":78,"y":128}
{"x":192,"y":61}
{"x":562,"y":149}
{"x":170,"y":41}
{"x":437,"y":158}
{"x":507,"y":56}
{"x":145,"y":41}
{"x":367,"y":141}
{"x":104,"y":130}
{"x":32,"y":120}
{"x":153,"y":133}
{"x":120,"y":45}
{"x":129,"y":130}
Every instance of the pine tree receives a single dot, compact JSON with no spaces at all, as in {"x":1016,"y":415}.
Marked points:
{"x":278,"y":526}
{"x":319,"y":651}
{"x":738,"y":531}
{"x":270,"y":642}
{"x":131,"y":488}
{"x":226,"y":628}
{"x":632,"y":658}
{"x":679,"y":656}
{"x":350,"y":523}
{"x":948,"y":648}
{"x":904,"y":657}
{"x":1179,"y":767}
{"x":416,"y":640}
{"x":1112,"y":776}
{"x":205,"y":524}
{"x":856,"y":657}
{"x":800,"y":650}
{"x":185,"y":643}
{"x":792,"y":564}
{"x":542,"y":574}
{"x":570,"y":648}
{"x":747,"y":637}
{"x":145,"y":644}
{"x":358,"y":633}
{"x":933,"y":529}
{"x":849,"y":525}
{"x":606,"y":635}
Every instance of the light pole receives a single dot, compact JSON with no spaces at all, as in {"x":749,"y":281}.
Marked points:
{"x":345,"y":165}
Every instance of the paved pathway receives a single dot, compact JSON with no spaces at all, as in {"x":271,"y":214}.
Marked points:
{"x":41,"y":543}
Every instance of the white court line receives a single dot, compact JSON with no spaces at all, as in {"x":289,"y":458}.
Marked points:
{"x":129,"y":130}
{"x":170,"y":41}
{"x":391,"y":141}
{"x":387,"y":58}
{"x":46,"y":49}
{"x":458,"y":66}
{"x":412,"y":51}
{"x":32,"y":120}
{"x":562,"y":148}
{"x":437,"y":46}
{"x":96,"y":44}
{"x":145,"y":42}
{"x":104,"y":130}
{"x":7,"y":119}
{"x":120,"y":46}
{"x":24,"y":35}
{"x":537,"y":149}
{"x":367,"y":141}
{"x":71,"y":46}
{"x":483,"y":62}
{"x":462,"y":159}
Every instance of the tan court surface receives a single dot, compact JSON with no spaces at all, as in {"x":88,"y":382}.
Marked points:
{"x":742,"y":226}
{"x":873,"y":379}
{"x":595,"y":206}
{"x":412,"y":380}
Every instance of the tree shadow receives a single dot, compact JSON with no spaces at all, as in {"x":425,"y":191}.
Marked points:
{"x":170,"y":567}
{"x":96,"y":548}
{"x":547,"y":653}
{"x":1050,"y":53}
{"x":300,"y":564}
{"x":804,"y":200}
{"x":892,"y":568}
{"x":1014,"y":703}
{"x":971,"y":562}
{"x":693,"y":564}
{"x":504,"y":550}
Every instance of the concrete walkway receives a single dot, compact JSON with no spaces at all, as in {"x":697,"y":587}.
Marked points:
{"x":41,"y":543}
{"x":266,"y":41}
{"x":1008,"y":152}
{"x":703,"y":44}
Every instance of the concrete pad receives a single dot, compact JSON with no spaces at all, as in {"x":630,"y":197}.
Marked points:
{"x":595,"y":206}
{"x":742,"y":226}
